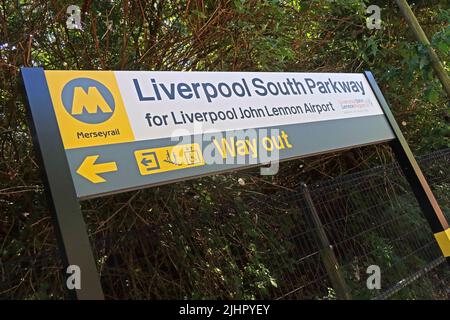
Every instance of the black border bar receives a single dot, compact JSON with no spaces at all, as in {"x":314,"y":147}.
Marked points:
{"x":71,"y":233}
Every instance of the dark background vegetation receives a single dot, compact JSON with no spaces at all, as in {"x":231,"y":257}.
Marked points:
{"x":237,"y":35}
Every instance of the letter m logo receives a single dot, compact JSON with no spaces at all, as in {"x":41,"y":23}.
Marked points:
{"x":91,"y":101}
{"x":88,"y":100}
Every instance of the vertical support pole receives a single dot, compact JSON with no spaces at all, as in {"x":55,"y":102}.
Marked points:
{"x":422,"y":38}
{"x":326,"y":250}
{"x":414,"y":176}
{"x":73,"y":240}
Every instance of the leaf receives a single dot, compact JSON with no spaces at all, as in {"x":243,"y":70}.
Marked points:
{"x":423,"y":62}
{"x":273,"y":282}
{"x":433,"y":95}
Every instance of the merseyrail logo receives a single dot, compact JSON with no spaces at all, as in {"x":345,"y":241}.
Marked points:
{"x":88,"y":100}
{"x":89,"y":108}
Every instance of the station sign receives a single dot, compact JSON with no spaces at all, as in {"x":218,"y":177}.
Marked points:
{"x":124,"y":130}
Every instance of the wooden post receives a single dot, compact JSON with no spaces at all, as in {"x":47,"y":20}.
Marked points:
{"x":422,"y":38}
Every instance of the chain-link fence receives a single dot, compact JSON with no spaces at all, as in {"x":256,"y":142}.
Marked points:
{"x":314,"y":242}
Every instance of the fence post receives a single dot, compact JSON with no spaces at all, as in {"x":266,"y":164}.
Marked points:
{"x":326,"y":250}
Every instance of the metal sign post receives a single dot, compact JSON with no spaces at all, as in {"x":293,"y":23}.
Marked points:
{"x":105,"y":132}
{"x":70,"y":229}
{"x":415,"y":177}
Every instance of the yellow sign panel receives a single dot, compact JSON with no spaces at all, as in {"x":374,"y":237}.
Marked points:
{"x":443,"y":240}
{"x":89,"y":108}
{"x":171,"y":158}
